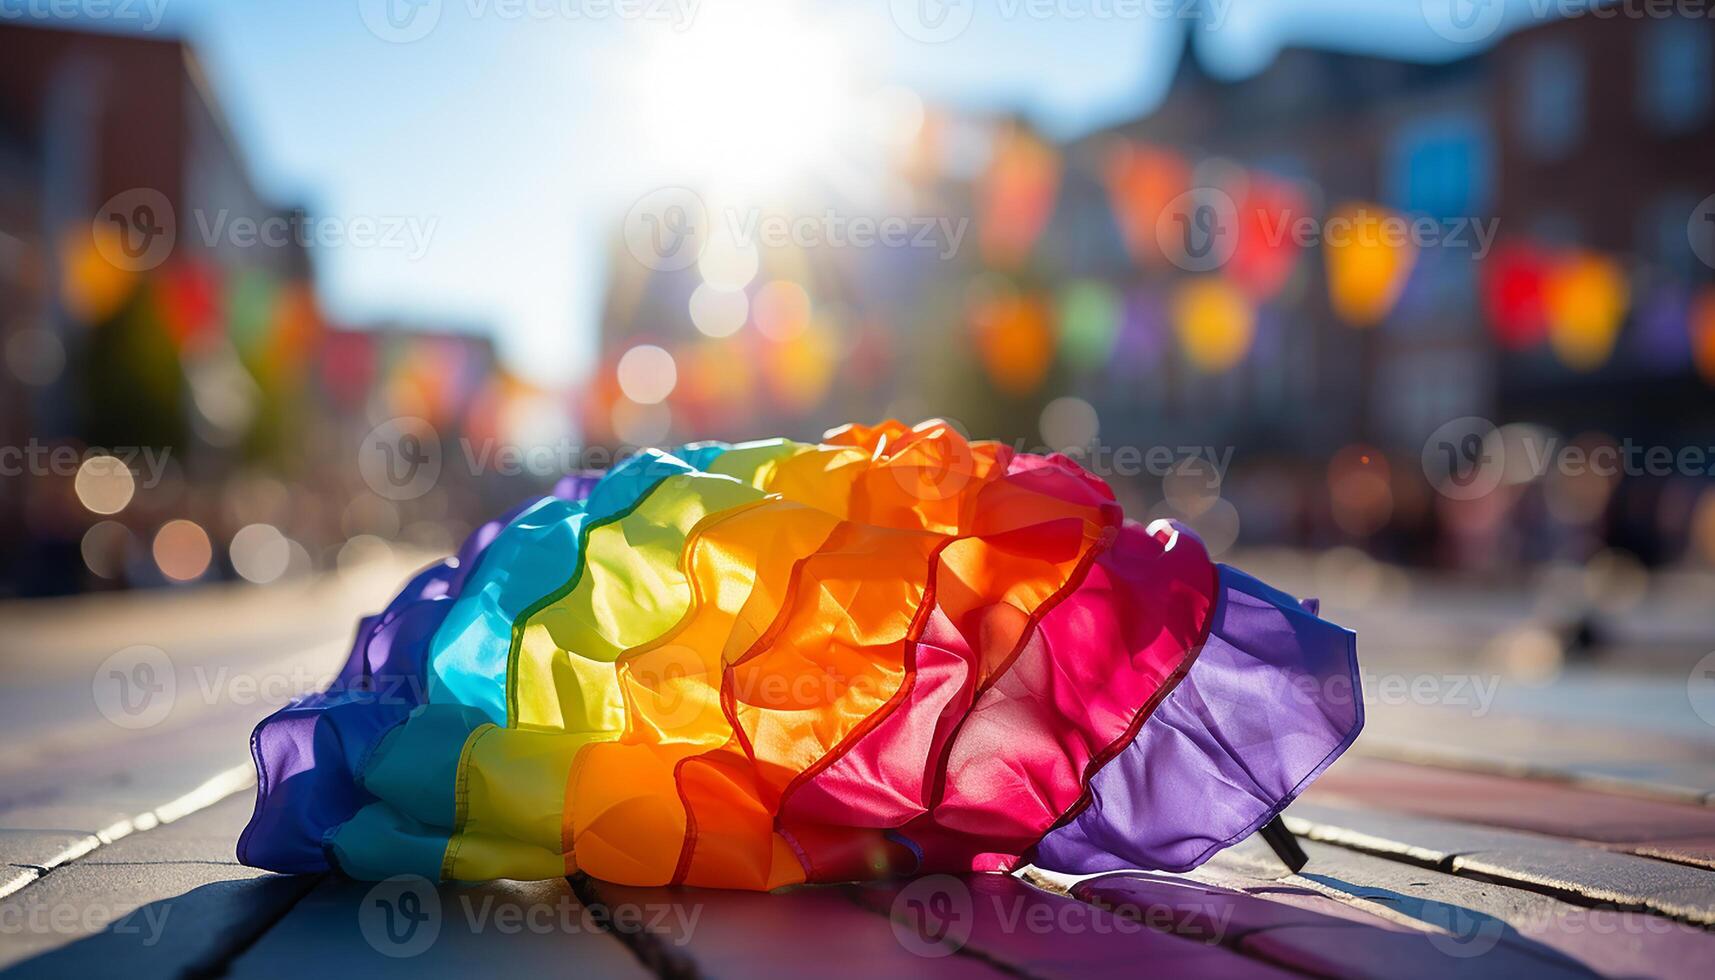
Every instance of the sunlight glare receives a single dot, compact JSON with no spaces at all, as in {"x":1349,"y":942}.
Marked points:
{"x":749,"y":96}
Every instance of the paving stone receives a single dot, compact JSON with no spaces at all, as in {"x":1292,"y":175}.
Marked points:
{"x":1297,"y":936}
{"x":1530,"y":861}
{"x":1694,"y":850}
{"x":166,"y":900}
{"x":1224,"y":914}
{"x":1033,"y":932}
{"x":1521,"y":804}
{"x":17,"y":846}
{"x":1480,"y":915}
{"x":1520,"y":744}
{"x":818,"y":931}
{"x":414,"y":929}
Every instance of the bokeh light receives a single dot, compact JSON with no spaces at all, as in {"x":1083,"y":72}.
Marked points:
{"x":1359,"y":491}
{"x":718,"y":312}
{"x":781,"y":309}
{"x":726,"y":263}
{"x":800,"y":369}
{"x":1585,"y":297}
{"x":260,"y":553}
{"x":1013,"y":338}
{"x":647,"y":374}
{"x":105,"y":547}
{"x":1192,"y":486}
{"x":1266,"y":252}
{"x":1089,"y":323}
{"x":1702,"y":329}
{"x":1069,"y":422}
{"x":1513,"y":285}
{"x":1369,"y":260}
{"x":35,"y":356}
{"x":104,"y":485}
{"x":641,"y":425}
{"x":1214,"y":322}
{"x":182,"y":550}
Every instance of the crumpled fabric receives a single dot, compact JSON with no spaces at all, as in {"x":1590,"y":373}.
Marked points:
{"x":892,"y":651}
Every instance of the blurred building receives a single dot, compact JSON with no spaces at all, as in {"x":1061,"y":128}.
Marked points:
{"x":1555,"y":177}
{"x":155,"y":306}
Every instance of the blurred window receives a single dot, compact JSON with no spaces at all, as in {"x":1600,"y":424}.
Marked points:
{"x":1661,"y":236}
{"x":1556,"y":228}
{"x":1550,"y":106}
{"x":1418,"y":388}
{"x":1442,"y":166}
{"x":1674,"y":92}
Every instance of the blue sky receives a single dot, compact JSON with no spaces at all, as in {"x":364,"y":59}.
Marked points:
{"x":521,"y":128}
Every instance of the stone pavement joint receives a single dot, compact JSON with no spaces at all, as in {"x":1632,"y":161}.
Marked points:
{"x":217,"y":788}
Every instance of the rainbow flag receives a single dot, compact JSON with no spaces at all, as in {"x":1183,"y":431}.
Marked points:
{"x":754,"y":665}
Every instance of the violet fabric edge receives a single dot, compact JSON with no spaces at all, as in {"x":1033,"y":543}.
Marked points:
{"x":1217,"y":616}
{"x":1333,"y":756}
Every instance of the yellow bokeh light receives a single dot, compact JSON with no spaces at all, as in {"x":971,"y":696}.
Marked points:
{"x":92,"y":287}
{"x":1586,"y":297}
{"x":1215,"y":323}
{"x":1369,"y":259}
{"x":781,"y":310}
{"x":801,"y":369}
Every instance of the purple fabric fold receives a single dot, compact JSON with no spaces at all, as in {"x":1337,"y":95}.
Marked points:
{"x":308,"y":753}
{"x":1271,"y":701}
